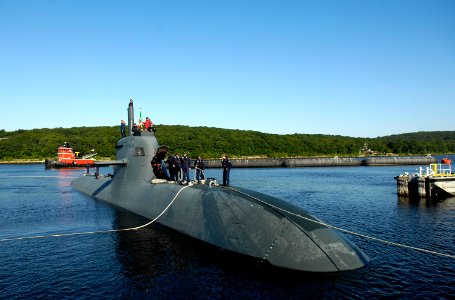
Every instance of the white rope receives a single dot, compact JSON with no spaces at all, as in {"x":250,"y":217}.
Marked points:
{"x":349,"y":231}
{"x":101,"y":231}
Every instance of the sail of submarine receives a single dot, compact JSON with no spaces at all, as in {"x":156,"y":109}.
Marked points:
{"x":233,"y":218}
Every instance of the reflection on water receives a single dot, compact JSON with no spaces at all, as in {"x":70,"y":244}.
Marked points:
{"x":424,"y":202}
{"x":158,"y":260}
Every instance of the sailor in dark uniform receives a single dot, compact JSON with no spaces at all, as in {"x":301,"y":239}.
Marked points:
{"x":136,"y":130}
{"x":159,"y":167}
{"x":171,"y":165}
{"x":122,"y":128}
{"x":186,"y":165}
{"x":199,"y":166}
{"x":226,"y":165}
{"x":178,"y":167}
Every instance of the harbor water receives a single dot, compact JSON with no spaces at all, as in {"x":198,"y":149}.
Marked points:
{"x":158,"y":263}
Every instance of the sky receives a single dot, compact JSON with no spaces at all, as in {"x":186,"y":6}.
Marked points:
{"x":359,"y":68}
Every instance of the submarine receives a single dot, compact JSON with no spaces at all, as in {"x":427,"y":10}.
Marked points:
{"x":232,"y":218}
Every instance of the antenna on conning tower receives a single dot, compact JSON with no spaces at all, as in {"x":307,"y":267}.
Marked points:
{"x":130,"y":117}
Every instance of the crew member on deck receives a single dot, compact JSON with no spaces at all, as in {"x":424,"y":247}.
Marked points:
{"x":159,"y":167}
{"x":186,"y":166}
{"x":199,"y":165}
{"x":178,"y":167}
{"x":171,"y":166}
{"x":226,"y":165}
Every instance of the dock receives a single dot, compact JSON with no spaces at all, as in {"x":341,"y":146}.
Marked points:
{"x":434,"y":182}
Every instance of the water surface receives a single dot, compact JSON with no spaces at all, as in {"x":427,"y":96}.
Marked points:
{"x":158,"y":263}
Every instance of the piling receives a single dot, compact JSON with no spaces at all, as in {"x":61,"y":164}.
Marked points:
{"x":403,"y":184}
{"x":417,"y":187}
{"x":411,"y":185}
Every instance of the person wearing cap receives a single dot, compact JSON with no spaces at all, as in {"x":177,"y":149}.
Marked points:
{"x":122,"y":128}
{"x":177,"y":167}
{"x":171,"y":167}
{"x":226,"y":165}
{"x":148,"y":124}
{"x":199,"y":165}
{"x":186,"y":166}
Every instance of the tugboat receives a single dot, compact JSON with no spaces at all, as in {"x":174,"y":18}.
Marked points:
{"x":446,"y":161}
{"x":235,"y":219}
{"x":67,"y":158}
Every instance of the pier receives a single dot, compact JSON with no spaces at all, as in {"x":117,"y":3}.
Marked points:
{"x":434,"y":182}
{"x":321,"y":162}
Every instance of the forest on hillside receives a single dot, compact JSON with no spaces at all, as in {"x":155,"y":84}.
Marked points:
{"x":211,"y":142}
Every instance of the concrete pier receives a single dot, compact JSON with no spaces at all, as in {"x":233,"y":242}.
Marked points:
{"x":435,"y":182}
{"x":321,"y":162}
{"x":440,"y":187}
{"x":411,"y":185}
{"x":397,"y":160}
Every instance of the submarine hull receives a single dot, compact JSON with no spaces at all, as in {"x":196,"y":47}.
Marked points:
{"x":235,"y":219}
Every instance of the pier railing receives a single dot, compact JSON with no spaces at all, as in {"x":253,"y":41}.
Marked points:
{"x":441,"y":170}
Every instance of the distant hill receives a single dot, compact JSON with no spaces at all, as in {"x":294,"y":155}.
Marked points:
{"x":211,"y":142}
{"x":424,"y":136}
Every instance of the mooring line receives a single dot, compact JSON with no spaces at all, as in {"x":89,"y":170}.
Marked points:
{"x":100,"y":231}
{"x":348,"y":231}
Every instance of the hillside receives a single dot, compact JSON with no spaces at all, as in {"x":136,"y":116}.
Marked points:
{"x":212,"y":142}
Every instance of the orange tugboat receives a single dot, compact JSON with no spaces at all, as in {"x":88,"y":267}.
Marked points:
{"x":446,"y":161}
{"x":67,"y":158}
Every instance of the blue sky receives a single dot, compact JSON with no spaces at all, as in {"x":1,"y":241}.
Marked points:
{"x":355,"y":68}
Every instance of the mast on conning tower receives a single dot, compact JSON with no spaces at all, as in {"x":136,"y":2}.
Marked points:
{"x":130,"y":117}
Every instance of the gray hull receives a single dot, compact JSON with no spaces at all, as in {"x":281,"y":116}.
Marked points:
{"x":235,"y":219}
